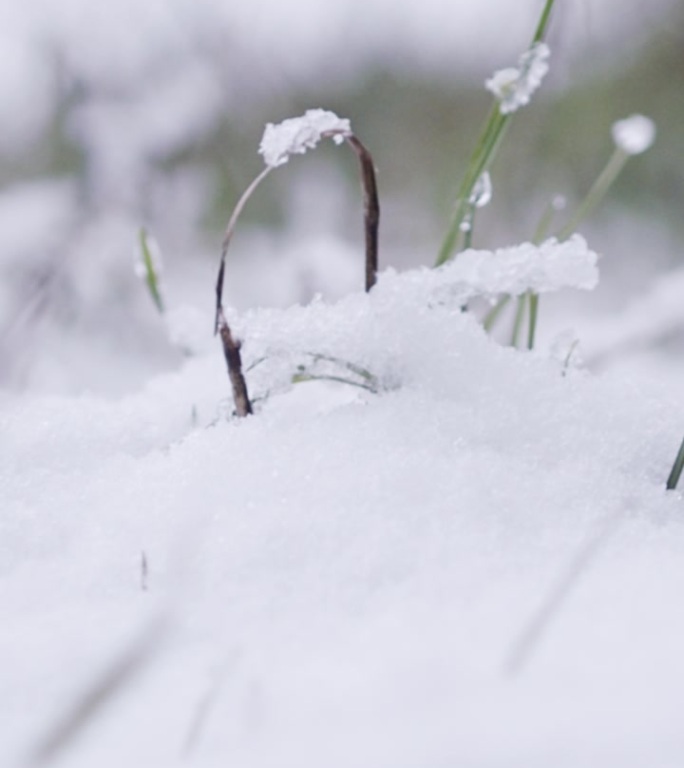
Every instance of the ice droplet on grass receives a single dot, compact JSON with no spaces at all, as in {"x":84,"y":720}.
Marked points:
{"x":514,"y":86}
{"x":634,"y":134}
{"x":297,"y":134}
{"x":482,"y":191}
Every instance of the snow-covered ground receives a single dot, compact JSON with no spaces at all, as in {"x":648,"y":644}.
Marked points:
{"x":468,"y":560}
{"x":424,"y":549}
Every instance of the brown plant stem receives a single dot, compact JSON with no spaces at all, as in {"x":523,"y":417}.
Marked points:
{"x":227,"y":238}
{"x":371,"y":208}
{"x":231,"y":351}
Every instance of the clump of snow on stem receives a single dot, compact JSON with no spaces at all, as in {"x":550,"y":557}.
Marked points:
{"x":297,"y":134}
{"x":514,"y":86}
{"x":540,"y":268}
{"x":482,"y":191}
{"x":634,"y":134}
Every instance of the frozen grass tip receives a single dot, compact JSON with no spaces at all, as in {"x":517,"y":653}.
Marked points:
{"x":634,"y":134}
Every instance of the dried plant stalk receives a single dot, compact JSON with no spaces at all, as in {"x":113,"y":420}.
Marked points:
{"x":371,"y":208}
{"x":231,"y":351}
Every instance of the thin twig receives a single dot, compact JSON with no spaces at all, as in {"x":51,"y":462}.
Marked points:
{"x":231,"y":347}
{"x":230,"y":229}
{"x":371,"y":208}
{"x":231,"y":351}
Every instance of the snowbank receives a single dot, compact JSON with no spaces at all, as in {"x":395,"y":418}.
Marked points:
{"x":342,"y":576}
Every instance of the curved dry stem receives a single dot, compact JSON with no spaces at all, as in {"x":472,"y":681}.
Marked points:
{"x":371,"y":208}
{"x":231,"y":351}
{"x":230,"y":229}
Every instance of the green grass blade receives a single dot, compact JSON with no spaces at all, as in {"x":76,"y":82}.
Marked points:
{"x":483,"y":156}
{"x":543,"y":25}
{"x":495,"y":312}
{"x":519,"y":319}
{"x":597,"y":192}
{"x":150,"y":271}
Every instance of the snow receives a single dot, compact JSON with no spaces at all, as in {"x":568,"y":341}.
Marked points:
{"x":343,"y":578}
{"x":298,"y":134}
{"x":340,"y":579}
{"x":634,"y":134}
{"x":514,"y":86}
{"x":481,"y":195}
{"x":543,"y":268}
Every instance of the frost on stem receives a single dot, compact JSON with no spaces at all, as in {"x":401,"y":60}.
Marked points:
{"x":514,"y":86}
{"x":482,"y":191}
{"x":634,"y":134}
{"x":297,"y":134}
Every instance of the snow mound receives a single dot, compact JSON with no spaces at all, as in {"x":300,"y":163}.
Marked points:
{"x":343,"y":574}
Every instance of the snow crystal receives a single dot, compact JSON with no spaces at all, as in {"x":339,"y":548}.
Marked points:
{"x":634,"y":134}
{"x":514,"y":86}
{"x":297,"y":134}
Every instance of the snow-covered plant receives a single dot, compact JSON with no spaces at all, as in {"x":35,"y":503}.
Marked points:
{"x":512,"y":89}
{"x":631,"y":136}
{"x":295,"y":136}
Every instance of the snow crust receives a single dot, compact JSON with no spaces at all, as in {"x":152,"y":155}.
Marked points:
{"x":514,"y":86}
{"x":342,"y":576}
{"x":634,"y":134}
{"x":296,"y":135}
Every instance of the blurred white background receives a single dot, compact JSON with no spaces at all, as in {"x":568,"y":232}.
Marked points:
{"x":122,"y":115}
